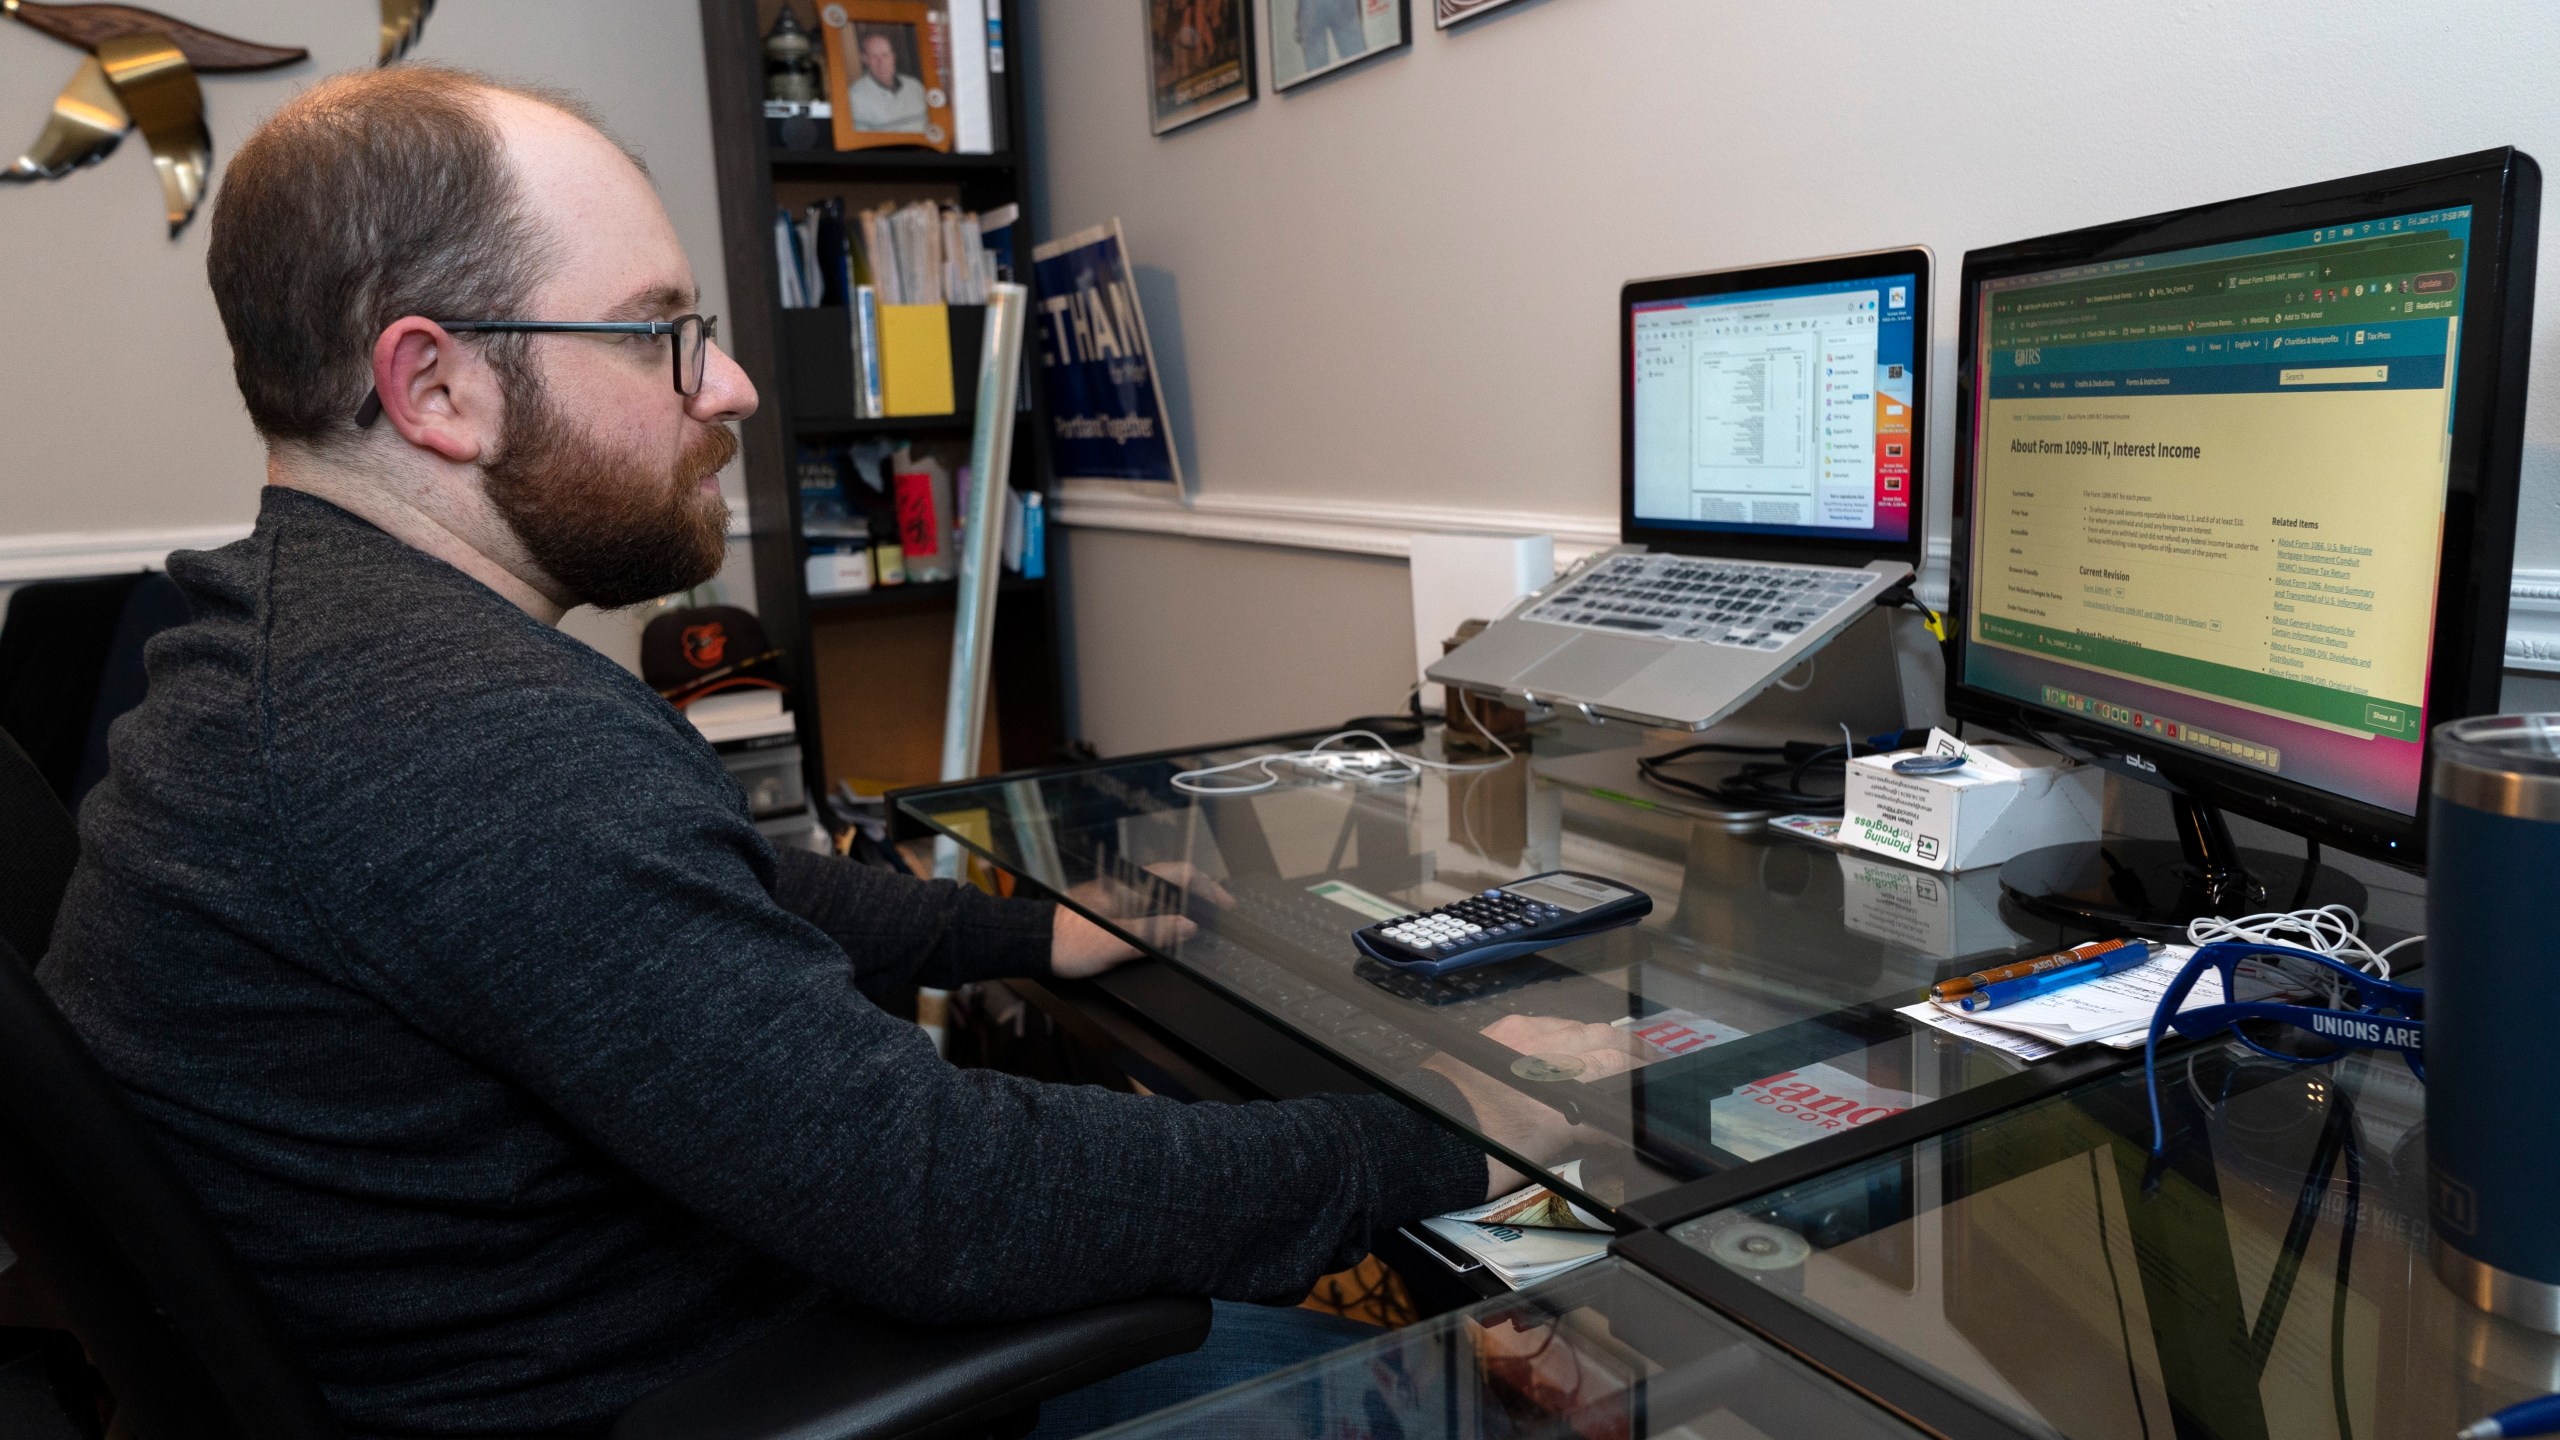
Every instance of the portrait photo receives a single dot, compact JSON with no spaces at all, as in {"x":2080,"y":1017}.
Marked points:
{"x":887,"y":91}
{"x":1317,"y":37}
{"x":1199,"y":59}
{"x":886,"y":74}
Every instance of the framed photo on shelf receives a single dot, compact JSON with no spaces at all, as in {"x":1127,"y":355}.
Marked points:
{"x":888,"y":73}
{"x":1317,"y":37}
{"x":1445,"y":13}
{"x":1199,"y":59}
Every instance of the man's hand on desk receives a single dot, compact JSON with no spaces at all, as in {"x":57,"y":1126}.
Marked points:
{"x":1509,"y":1119}
{"x":1599,"y":1050}
{"x":1079,"y":949}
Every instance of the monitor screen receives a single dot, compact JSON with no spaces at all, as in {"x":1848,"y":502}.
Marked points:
{"x":2208,"y":494}
{"x":1776,"y":412}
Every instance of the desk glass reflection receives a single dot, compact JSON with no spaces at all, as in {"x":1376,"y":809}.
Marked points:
{"x":2271,"y":1278}
{"x":1751,"y":1013}
{"x":1606,"y":1353}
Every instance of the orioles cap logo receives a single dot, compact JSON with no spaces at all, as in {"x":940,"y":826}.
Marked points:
{"x":705,"y":644}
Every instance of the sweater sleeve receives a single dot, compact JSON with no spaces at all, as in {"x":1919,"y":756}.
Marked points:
{"x":600,"y":930}
{"x":900,"y":931}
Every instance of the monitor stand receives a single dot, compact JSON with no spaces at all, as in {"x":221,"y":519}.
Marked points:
{"x":2152,"y":888}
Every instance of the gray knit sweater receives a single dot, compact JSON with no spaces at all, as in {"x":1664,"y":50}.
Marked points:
{"x":523,"y":1074}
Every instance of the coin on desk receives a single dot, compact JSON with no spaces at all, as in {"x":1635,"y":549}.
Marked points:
{"x":1544,"y":1068}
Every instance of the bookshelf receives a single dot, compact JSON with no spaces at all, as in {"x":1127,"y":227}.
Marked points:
{"x":869,"y":669}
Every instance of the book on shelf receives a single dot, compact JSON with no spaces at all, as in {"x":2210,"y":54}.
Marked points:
{"x":869,"y":401}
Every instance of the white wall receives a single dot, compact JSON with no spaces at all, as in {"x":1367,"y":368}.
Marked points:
{"x":124,"y":428}
{"x":1398,"y":284}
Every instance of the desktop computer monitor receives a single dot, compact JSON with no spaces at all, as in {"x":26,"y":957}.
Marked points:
{"x":1774,"y":411}
{"x":2235,"y":512}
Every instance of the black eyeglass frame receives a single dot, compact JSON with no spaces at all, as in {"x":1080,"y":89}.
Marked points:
{"x":371,"y":410}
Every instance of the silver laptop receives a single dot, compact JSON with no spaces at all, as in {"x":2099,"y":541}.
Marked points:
{"x":1770,"y":438}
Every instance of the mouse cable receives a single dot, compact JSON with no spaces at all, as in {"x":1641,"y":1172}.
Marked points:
{"x":1784,"y":783}
{"x":1336,"y":757}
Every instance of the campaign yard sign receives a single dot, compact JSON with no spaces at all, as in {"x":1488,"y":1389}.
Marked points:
{"x":1106,"y":407}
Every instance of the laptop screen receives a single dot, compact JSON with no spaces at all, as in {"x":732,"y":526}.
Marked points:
{"x":1778,"y":412}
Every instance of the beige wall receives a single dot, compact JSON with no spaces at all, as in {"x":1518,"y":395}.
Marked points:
{"x":1397,"y":285}
{"x":122,"y":413}
{"x":1179,"y":641}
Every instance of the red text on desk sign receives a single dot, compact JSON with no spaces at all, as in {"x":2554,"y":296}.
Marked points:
{"x":1814,"y":1105}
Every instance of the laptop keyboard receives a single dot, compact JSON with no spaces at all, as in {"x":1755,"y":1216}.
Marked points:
{"x":1687,"y":597}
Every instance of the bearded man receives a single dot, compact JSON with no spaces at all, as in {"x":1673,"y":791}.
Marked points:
{"x":519,"y":1069}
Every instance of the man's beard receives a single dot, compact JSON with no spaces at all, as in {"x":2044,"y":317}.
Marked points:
{"x":606,"y":531}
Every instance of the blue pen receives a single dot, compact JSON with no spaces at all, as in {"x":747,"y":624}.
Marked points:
{"x":2533,"y":1417}
{"x":2026,"y":987}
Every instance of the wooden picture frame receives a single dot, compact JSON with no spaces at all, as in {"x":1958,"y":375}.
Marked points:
{"x":1309,"y":39}
{"x":911,"y":40}
{"x":1199,"y":59}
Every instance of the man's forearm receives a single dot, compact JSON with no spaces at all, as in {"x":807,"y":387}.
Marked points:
{"x":899,"y":931}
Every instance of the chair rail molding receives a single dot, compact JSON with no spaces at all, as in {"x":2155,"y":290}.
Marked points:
{"x":2533,"y":621}
{"x":66,"y":553}
{"x":1347,"y":527}
{"x":1356,"y":527}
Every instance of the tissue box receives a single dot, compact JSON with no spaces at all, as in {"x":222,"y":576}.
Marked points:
{"x":2008,"y":799}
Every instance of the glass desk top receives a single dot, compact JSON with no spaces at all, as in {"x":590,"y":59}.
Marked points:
{"x":1750,"y":1014}
{"x":2271,"y":1279}
{"x":1605,"y":1353}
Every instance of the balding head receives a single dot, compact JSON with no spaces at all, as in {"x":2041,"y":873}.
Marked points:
{"x":380,"y":194}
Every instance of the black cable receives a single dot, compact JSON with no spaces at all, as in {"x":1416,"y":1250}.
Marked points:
{"x":1781,"y":784}
{"x":1778,"y":784}
{"x":2346,"y":1254}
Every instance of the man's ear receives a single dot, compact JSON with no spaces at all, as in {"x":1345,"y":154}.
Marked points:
{"x":440,"y":397}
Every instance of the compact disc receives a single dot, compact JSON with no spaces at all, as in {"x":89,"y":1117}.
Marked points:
{"x":1752,"y":1245}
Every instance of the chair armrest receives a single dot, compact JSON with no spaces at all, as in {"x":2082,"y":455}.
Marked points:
{"x":842,"y":1374}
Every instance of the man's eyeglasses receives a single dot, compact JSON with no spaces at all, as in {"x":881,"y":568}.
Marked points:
{"x":2290,"y":1005}
{"x":692,"y":334}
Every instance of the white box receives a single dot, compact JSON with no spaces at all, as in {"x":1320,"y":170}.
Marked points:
{"x":1469,"y":575}
{"x":2007,"y":800}
{"x":834,"y":572}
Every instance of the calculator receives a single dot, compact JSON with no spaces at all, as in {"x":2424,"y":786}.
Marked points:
{"x":1506,"y":921}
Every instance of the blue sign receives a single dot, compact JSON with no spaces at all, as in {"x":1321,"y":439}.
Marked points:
{"x":1106,"y":410}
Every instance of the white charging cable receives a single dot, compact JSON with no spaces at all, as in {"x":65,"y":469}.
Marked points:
{"x":2331,"y":930}
{"x":1334,"y":757}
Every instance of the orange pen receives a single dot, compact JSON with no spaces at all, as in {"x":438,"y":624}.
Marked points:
{"x":1957,"y":987}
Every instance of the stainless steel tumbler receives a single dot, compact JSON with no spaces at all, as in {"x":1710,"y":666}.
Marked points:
{"x":2493,"y":995}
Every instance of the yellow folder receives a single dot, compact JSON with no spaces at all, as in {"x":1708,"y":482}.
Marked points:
{"x":915,"y":360}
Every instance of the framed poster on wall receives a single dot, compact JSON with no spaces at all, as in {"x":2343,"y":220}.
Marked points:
{"x":1199,"y":59}
{"x":1317,"y":37}
{"x":1445,"y":13}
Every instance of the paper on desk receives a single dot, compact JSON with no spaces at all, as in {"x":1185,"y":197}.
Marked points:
{"x":1528,"y":1234}
{"x":2025,"y":1047}
{"x":2116,"y":1009}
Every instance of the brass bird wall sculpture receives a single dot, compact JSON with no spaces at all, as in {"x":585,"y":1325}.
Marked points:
{"x":141,"y":73}
{"x":402,"y":21}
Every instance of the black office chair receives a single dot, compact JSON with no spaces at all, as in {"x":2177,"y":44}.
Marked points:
{"x":103,"y":1224}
